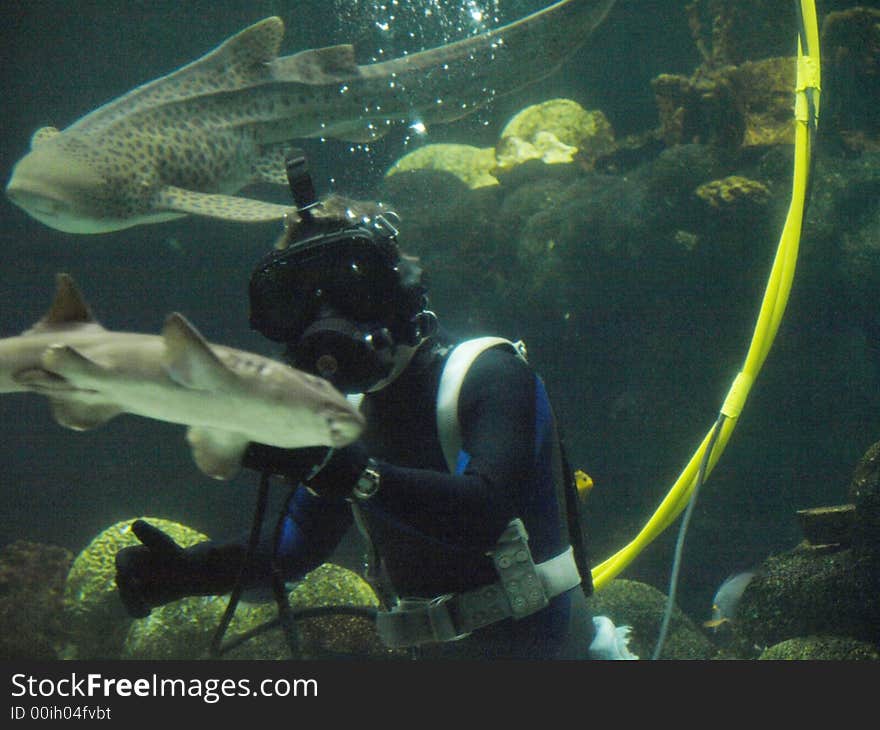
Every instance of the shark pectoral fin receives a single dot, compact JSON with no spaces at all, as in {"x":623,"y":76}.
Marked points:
{"x":217,"y":453}
{"x":225,"y":207}
{"x":82,"y":416}
{"x":70,"y":363}
{"x":41,"y":380}
{"x":328,"y":65}
{"x":189,"y":359}
{"x":42,"y":134}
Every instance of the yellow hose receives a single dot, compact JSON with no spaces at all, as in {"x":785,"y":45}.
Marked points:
{"x":769,"y":317}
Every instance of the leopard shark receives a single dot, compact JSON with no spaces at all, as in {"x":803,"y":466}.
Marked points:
{"x":227,"y":397}
{"x":186,"y":143}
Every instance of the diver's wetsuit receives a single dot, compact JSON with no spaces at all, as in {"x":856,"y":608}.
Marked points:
{"x":433,"y":529}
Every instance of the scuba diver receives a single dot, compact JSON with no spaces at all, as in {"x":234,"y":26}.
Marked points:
{"x":458,"y":484}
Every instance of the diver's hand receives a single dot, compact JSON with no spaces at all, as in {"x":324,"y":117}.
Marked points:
{"x":160,"y":571}
{"x":292,"y":464}
{"x":337,"y":478}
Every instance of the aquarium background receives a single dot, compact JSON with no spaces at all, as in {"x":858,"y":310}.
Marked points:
{"x":637,"y":375}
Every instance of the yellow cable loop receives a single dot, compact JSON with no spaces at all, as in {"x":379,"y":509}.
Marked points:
{"x":769,"y":317}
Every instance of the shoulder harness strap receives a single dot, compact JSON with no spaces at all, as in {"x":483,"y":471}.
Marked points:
{"x":454,"y":371}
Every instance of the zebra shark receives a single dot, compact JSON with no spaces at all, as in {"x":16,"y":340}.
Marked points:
{"x":187,"y":142}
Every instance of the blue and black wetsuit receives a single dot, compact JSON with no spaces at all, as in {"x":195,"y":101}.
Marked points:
{"x":433,"y":529}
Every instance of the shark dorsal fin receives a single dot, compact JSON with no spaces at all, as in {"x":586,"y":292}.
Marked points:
{"x":68,"y":309}
{"x":239,"y":61}
{"x":189,"y":359}
{"x":43,"y":134}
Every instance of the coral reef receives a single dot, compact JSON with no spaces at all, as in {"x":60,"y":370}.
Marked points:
{"x":733,"y":190}
{"x":812,"y":648}
{"x":830,"y":590}
{"x":31,"y":582}
{"x":557,"y":131}
{"x":472,"y":165}
{"x":851,"y":73}
{"x":554,"y":131}
{"x":733,"y":106}
{"x":184,"y":629}
{"x":93,"y":615}
{"x":728,"y":33}
{"x":97,"y":626}
{"x":628,"y":602}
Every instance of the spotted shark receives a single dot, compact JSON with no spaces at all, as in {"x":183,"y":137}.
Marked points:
{"x":187,"y":142}
{"x":227,"y":397}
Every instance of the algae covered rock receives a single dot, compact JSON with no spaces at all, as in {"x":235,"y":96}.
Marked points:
{"x":812,"y":648}
{"x":731,"y":190}
{"x":471,"y":165}
{"x":864,"y":492}
{"x":31,"y":583}
{"x":554,"y":132}
{"x":809,"y":591}
{"x":628,"y":602}
{"x":93,"y":614}
{"x":184,"y":629}
{"x":732,"y":106}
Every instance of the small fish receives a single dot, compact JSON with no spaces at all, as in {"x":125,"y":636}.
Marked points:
{"x":583,"y":482}
{"x":727,"y":598}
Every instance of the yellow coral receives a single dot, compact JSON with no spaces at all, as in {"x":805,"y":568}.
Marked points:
{"x":92,"y":611}
{"x":184,"y":629}
{"x":554,"y":131}
{"x":471,"y":165}
{"x":731,"y":190}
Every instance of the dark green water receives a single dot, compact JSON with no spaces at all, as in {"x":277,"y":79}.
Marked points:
{"x":811,"y":415}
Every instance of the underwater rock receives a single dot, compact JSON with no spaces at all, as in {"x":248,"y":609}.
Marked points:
{"x":727,"y":33}
{"x":733,"y":191}
{"x":864,"y":492}
{"x":827,"y":526}
{"x":93,"y":614}
{"x":812,"y":648}
{"x":472,"y":165}
{"x":732,"y":106}
{"x":554,"y":131}
{"x":184,"y":629}
{"x":807,"y":591}
{"x":631,"y":603}
{"x":31,"y":583}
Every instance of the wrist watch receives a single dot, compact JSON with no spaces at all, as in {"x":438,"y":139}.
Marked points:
{"x":368,"y":482}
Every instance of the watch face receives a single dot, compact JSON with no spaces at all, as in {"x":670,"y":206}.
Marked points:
{"x":368,"y":484}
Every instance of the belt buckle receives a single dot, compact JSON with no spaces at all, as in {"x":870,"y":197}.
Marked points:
{"x":440,"y":619}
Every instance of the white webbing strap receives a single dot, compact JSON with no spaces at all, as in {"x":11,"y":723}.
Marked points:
{"x":457,"y":364}
{"x":453,"y":616}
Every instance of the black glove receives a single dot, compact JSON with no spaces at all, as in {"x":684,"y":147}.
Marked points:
{"x":340,"y":474}
{"x":160,"y":571}
{"x":292,"y":464}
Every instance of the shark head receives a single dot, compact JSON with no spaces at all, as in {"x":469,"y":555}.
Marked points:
{"x":63,"y":183}
{"x":57,"y":188}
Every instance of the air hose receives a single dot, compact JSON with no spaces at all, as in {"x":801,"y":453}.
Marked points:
{"x":770,"y":314}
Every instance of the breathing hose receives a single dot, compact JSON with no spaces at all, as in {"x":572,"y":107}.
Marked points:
{"x":770,"y":314}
